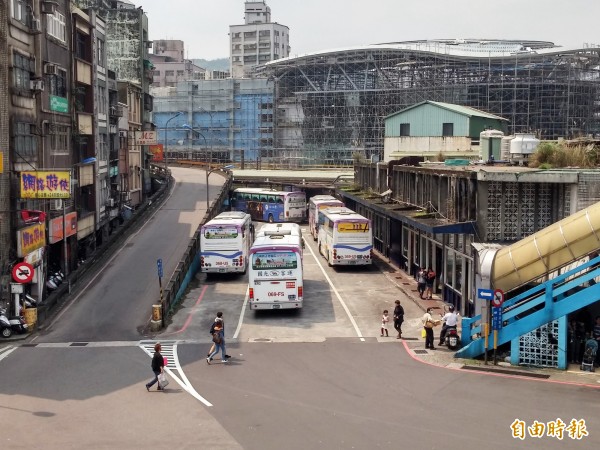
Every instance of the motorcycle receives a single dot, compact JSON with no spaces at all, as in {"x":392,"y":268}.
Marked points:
{"x":452,"y":340}
{"x":12,"y":324}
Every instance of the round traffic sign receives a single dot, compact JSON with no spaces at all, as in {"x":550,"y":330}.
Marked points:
{"x":22,"y":272}
{"x":498,"y":298}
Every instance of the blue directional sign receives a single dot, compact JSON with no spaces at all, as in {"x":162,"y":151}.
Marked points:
{"x":160,"y":267}
{"x":496,"y":318}
{"x":485,"y":294}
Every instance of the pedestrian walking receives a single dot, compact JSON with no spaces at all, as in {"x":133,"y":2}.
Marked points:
{"x":428,"y":324}
{"x":385,"y":318}
{"x":219,"y":343}
{"x":421,"y":281}
{"x":398,"y":318}
{"x":158,"y":363}
{"x":429,"y":281}
{"x":218,"y":319}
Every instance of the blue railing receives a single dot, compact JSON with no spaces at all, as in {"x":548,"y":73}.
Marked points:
{"x":539,"y":305}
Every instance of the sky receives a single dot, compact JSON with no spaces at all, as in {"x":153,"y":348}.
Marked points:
{"x":328,"y":24}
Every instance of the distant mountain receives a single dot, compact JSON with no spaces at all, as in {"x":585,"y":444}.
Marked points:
{"x":213,"y":64}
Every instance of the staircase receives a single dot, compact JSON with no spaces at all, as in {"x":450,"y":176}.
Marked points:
{"x":538,"y":306}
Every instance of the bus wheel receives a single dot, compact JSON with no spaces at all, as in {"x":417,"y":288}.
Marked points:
{"x":271,"y":220}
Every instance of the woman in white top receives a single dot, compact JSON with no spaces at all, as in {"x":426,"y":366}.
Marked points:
{"x":428,"y":324}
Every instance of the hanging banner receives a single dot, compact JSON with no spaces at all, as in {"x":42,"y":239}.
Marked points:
{"x":55,"y":230}
{"x":157,"y":153}
{"x":45,"y":184}
{"x":30,"y":239}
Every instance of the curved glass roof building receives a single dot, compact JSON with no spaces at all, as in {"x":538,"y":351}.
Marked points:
{"x":329,"y":106}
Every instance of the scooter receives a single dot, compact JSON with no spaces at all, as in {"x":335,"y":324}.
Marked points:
{"x":452,"y":340}
{"x":17,"y":323}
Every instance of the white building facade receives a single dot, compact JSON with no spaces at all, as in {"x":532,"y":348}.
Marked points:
{"x":257,"y":41}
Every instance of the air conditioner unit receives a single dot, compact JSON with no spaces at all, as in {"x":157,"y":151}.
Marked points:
{"x":48,"y":7}
{"x":36,"y":85}
{"x":36,"y":26}
{"x":56,"y":204}
{"x":50,"y":69}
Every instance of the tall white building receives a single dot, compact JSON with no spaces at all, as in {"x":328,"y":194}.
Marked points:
{"x":257,"y":41}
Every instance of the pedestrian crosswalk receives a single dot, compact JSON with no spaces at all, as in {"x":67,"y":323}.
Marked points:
{"x":168,"y":350}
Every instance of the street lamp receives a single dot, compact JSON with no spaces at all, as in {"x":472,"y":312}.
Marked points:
{"x":208,"y":172}
{"x":166,"y":142}
{"x":210,"y":113}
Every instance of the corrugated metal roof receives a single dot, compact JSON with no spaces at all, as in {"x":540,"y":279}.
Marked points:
{"x":464,"y":110}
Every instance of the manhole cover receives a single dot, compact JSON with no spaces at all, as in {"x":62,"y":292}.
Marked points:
{"x":420,"y":352}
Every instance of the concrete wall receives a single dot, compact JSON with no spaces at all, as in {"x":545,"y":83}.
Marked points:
{"x":430,"y":147}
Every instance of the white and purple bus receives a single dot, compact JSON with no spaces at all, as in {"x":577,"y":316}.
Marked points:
{"x":315,"y":204}
{"x":269,"y":205}
{"x":225,"y":243}
{"x":345,"y":237}
{"x":275,"y":279}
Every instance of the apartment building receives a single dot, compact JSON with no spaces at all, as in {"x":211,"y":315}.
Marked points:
{"x":257,"y":41}
{"x":170,"y":65}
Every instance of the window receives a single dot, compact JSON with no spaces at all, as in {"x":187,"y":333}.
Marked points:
{"x":180,"y":73}
{"x":57,"y":84}
{"x":157,"y":73}
{"x":102,"y":100}
{"x":25,"y":143}
{"x":447,"y":129}
{"x":81,"y":45}
{"x":18,"y":10}
{"x":22,"y":68}
{"x":266,"y":117}
{"x":101,"y":147}
{"x":56,"y":27}
{"x":405,"y":129}
{"x":169,"y":73}
{"x":100,"y":53}
{"x":59,"y":140}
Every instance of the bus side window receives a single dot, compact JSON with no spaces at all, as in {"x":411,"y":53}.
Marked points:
{"x":256,"y":197}
{"x":279,"y":200}
{"x":330,"y":224}
{"x":271,"y":199}
{"x":263,"y":198}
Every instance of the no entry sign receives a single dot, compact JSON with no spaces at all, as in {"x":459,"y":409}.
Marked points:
{"x":22,"y":272}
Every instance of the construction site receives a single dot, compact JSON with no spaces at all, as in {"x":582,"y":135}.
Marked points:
{"x":329,"y":107}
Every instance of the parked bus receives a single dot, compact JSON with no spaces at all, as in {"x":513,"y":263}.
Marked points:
{"x":270,"y":205}
{"x":345,"y":237}
{"x":275,"y":276}
{"x":269,"y":229}
{"x":315,"y":204}
{"x":225,"y":243}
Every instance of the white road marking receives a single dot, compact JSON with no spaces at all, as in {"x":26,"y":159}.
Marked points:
{"x":7,"y":351}
{"x":337,"y":294}
{"x":170,"y":351}
{"x":241,"y":319}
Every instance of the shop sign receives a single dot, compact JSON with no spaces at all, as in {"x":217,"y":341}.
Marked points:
{"x":55,"y":230}
{"x":45,"y":184}
{"x":157,"y":153}
{"x":30,"y":239}
{"x":146,"y":138}
{"x":35,"y":257}
{"x":59,"y":104}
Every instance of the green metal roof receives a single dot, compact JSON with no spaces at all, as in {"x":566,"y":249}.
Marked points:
{"x":464,"y":110}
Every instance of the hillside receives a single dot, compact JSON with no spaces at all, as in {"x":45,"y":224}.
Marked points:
{"x":213,"y":64}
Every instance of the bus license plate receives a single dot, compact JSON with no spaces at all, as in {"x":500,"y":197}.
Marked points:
{"x":276,"y":306}
{"x":351,"y":262}
{"x":291,"y":297}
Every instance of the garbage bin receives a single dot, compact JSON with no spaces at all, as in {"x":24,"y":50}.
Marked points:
{"x":157,"y":313}
{"x":30,"y":315}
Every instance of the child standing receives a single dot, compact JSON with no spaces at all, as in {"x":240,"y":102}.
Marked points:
{"x":384,"y":321}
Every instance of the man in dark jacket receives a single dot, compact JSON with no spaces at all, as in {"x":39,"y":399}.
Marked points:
{"x":218,"y":320}
{"x":398,"y":318}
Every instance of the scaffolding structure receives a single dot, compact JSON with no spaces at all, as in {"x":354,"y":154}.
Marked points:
{"x":330,"y":107}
